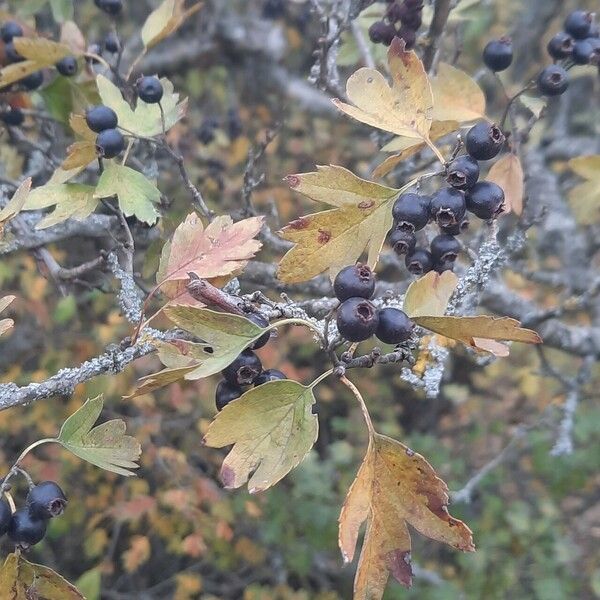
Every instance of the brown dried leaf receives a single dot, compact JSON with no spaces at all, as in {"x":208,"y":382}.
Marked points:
{"x":6,"y":324}
{"x":508,"y":174}
{"x":15,"y":204}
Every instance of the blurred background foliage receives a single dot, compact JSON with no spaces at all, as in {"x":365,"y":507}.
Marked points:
{"x":173,"y":532}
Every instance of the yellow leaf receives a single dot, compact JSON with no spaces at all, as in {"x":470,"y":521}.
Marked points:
{"x":585,"y":197}
{"x":405,"y":108}
{"x":508,"y":174}
{"x":79,"y":154}
{"x":394,"y":487}
{"x":15,"y":205}
{"x":154,"y":382}
{"x":332,"y":239}
{"x":429,"y":295}
{"x":279,"y":430}
{"x":17,"y":71}
{"x":165,"y":20}
{"x":138,"y":553}
{"x":6,"y":324}
{"x":80,"y":127}
{"x":456,"y":97}
{"x":41,"y":50}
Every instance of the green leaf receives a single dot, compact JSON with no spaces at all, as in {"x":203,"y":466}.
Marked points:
{"x":137,"y":195}
{"x":105,"y":445}
{"x":62,"y":10}
{"x":90,"y":584}
{"x":145,"y":120}
{"x":278,"y":431}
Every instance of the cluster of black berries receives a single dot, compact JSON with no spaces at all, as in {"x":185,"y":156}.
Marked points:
{"x":27,"y":526}
{"x":232,"y":124}
{"x":578,"y":44}
{"x":246,"y":370}
{"x":449,"y":205}
{"x":111,"y":7}
{"x":357,"y":318}
{"x":408,"y":13}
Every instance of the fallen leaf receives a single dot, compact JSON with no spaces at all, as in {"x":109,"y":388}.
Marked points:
{"x":585,"y":197}
{"x":429,"y":295}
{"x":165,"y":20}
{"x":394,"y":487}
{"x":279,"y":430}
{"x":16,"y":203}
{"x":508,"y":174}
{"x":332,"y":239}
{"x":105,"y":445}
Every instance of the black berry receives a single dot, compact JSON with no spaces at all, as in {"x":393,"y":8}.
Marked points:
{"x":225,"y":393}
{"x":23,"y":529}
{"x":484,"y":141}
{"x":67,"y":66}
{"x":111,"y":7}
{"x":553,"y":81}
{"x":12,"y":116}
{"x":11,"y":53}
{"x":33,"y":81}
{"x":99,"y":118}
{"x":419,"y":261}
{"x":269,"y":375}
{"x":485,"y":200}
{"x":498,"y":54}
{"x":10,"y":30}
{"x":357,"y":319}
{"x":412,"y":20}
{"x":149,"y":89}
{"x":463,"y":172}
{"x":445,"y":265}
{"x":561,"y":45}
{"x":394,"y":326}
{"x":578,"y":24}
{"x":402,"y":241}
{"x":414,"y":4}
{"x":448,"y":206}
{"x":586,"y":51}
{"x":354,"y":281}
{"x":46,"y":500}
{"x":261,"y":322}
{"x":206,"y":131}
{"x":444,"y":248}
{"x":456,"y":228}
{"x":243,"y":370}
{"x":5,"y":516}
{"x":408,"y":35}
{"x":411,"y":211}
{"x":382,"y":33}
{"x":112,"y":43}
{"x":235,"y":127}
{"x":110,"y":143}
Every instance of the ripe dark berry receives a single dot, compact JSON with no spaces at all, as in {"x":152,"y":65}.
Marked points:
{"x":357,"y":319}
{"x":586,"y":51}
{"x":46,"y":500}
{"x":99,"y":118}
{"x":484,"y":141}
{"x":578,"y":24}
{"x":25,"y":530}
{"x":11,"y":53}
{"x":498,"y":54}
{"x":269,"y":375}
{"x":411,"y":211}
{"x":456,"y":228}
{"x":12,"y":116}
{"x":553,"y":81}
{"x":206,"y":131}
{"x":419,"y":262}
{"x":110,"y":143}
{"x":408,"y":35}
{"x":445,"y":265}
{"x":463,"y":172}
{"x":273,"y":9}
{"x":412,"y":20}
{"x":394,"y":12}
{"x":402,"y":241}
{"x":112,"y":43}
{"x":33,"y":81}
{"x":414,"y":4}
{"x":235,"y":127}
{"x":10,"y":30}
{"x":485,"y":200}
{"x":382,"y":33}
{"x":448,"y":206}
{"x":67,"y":66}
{"x":355,"y":281}
{"x":261,"y":322}
{"x":5,"y":517}
{"x":444,"y":248}
{"x":225,"y":393}
{"x":244,"y":369}
{"x":394,"y":326}
{"x":561,"y":45}
{"x":111,"y":7}
{"x":149,"y":89}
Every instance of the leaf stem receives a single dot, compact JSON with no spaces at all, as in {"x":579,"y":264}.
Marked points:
{"x":435,"y":150}
{"x":295,"y":321}
{"x":362,"y":404}
{"x":320,"y":378}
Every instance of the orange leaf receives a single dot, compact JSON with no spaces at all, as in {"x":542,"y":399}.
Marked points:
{"x":138,"y":553}
{"x":508,"y":174}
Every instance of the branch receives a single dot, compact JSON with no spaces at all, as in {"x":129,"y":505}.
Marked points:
{"x":436,"y":29}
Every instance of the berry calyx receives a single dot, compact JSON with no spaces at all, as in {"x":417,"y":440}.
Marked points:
{"x":485,"y":200}
{"x":578,"y":24}
{"x":354,"y":281}
{"x":498,"y":54}
{"x":419,"y":262}
{"x":394,"y":326}
{"x":110,"y":143}
{"x":561,"y":45}
{"x":243,"y":370}
{"x":269,"y":375}
{"x":67,"y":66}
{"x":10,"y":30}
{"x":46,"y":500}
{"x":356,"y":319}
{"x":411,"y":211}
{"x":456,"y":228}
{"x":463,"y":172}
{"x":402,"y":241}
{"x":111,"y":7}
{"x":5,"y":516}
{"x":444,"y":248}
{"x":149,"y":89}
{"x":99,"y":118}
{"x":484,"y":141}
{"x":25,"y":530}
{"x":12,"y":116}
{"x":553,"y":81}
{"x":261,"y":322}
{"x":448,"y":206}
{"x":382,"y":33}
{"x":225,"y":393}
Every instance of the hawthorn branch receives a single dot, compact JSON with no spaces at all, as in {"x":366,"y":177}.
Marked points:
{"x":441,"y":12}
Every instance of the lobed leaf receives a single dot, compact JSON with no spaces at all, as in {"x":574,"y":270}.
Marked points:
{"x":16,"y":203}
